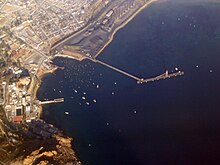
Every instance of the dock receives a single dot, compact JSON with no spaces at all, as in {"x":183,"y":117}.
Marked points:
{"x":165,"y":75}
{"x":160,"y":77}
{"x":59,"y":100}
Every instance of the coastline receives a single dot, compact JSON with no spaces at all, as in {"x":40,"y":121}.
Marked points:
{"x":70,"y":57}
{"x":61,"y":147}
{"x":41,"y":73}
{"x":124,"y":24}
{"x":40,"y":76}
{"x":81,"y":57}
{"x":38,"y":80}
{"x":127,"y":132}
{"x":50,"y":142}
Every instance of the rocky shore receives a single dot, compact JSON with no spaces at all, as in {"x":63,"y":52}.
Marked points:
{"x":35,"y":143}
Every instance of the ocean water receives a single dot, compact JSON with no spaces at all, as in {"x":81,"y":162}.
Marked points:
{"x":115,"y":121}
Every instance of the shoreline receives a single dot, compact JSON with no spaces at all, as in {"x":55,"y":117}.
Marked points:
{"x":69,"y":56}
{"x":62,"y":145}
{"x":38,"y":82}
{"x":41,"y":73}
{"x":40,"y":76}
{"x":124,"y":24}
{"x":111,"y":37}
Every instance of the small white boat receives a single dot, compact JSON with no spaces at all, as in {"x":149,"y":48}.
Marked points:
{"x":83,"y":98}
{"x":94,"y":100}
{"x":67,"y":113}
{"x":87,"y":103}
{"x":97,"y":86}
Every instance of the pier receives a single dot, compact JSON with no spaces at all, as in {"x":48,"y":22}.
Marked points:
{"x":165,"y":75}
{"x":59,"y":100}
{"x":118,"y":70}
{"x":160,"y":77}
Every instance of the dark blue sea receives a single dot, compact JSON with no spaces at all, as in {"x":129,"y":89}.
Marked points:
{"x":115,"y":121}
